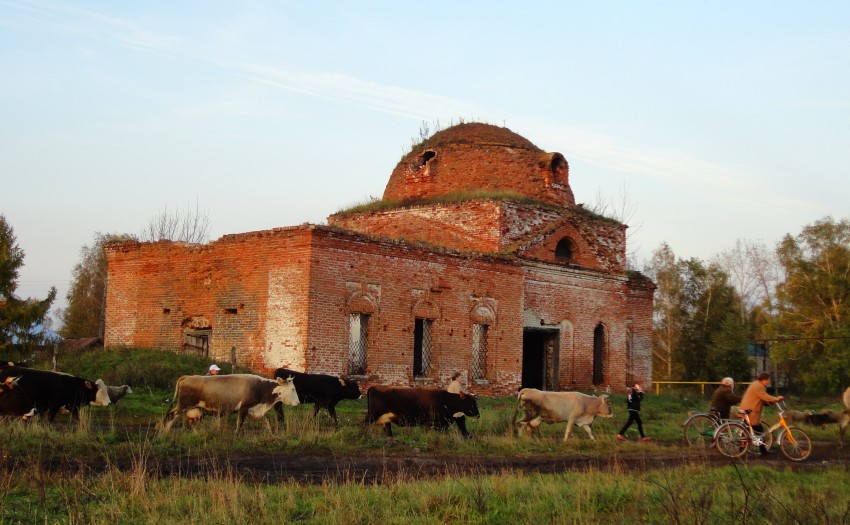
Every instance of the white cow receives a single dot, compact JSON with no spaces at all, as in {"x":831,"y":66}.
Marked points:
{"x":556,"y":407}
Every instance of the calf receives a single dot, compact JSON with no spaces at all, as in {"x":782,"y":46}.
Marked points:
{"x":407,"y":406}
{"x":323,"y":391}
{"x":244,"y":394}
{"x":555,"y":407}
{"x":117,"y":392}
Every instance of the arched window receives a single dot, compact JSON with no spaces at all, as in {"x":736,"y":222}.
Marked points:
{"x":565,"y":250}
{"x":428,"y":155}
{"x":599,"y":345}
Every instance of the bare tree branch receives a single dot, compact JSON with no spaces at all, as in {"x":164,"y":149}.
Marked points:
{"x":193,"y":226}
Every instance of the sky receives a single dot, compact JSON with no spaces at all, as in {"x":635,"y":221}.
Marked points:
{"x":714,"y":121}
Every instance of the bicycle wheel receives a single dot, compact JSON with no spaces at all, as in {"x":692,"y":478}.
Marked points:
{"x":732,"y":440}
{"x":795,"y":444}
{"x":699,"y":431}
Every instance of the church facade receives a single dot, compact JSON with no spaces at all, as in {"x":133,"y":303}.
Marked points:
{"x":477,"y":260}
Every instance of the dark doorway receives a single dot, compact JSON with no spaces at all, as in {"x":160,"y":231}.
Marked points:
{"x":540,"y":359}
{"x":599,"y":354}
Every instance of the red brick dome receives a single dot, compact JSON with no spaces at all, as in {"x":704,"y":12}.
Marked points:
{"x":480,"y":158}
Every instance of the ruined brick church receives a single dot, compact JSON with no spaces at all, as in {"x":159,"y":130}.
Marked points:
{"x":477,"y":260}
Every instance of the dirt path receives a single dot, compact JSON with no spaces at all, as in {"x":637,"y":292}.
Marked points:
{"x":370,"y":469}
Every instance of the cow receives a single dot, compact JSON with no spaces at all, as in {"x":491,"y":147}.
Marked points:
{"x":14,"y":401}
{"x":244,"y":394}
{"x":556,"y":407}
{"x":117,"y":392}
{"x":323,"y":391}
{"x":406,"y":406}
{"x":49,"y":391}
{"x":823,"y":418}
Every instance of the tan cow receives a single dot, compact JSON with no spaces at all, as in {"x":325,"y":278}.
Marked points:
{"x":245,"y":394}
{"x":556,"y":407}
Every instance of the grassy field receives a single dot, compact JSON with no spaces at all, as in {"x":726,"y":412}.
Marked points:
{"x":126,"y":434}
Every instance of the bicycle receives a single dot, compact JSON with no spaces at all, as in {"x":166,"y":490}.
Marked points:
{"x":734,"y":438}
{"x":699,"y":428}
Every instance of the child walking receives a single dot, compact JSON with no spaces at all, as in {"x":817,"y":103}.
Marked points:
{"x":633,"y":403}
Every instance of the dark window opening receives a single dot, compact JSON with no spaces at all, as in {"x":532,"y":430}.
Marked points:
{"x":599,"y":355}
{"x":422,"y":347}
{"x":559,"y":169}
{"x":428,"y":155}
{"x":565,"y":249}
{"x":166,"y":311}
{"x":230,"y":311}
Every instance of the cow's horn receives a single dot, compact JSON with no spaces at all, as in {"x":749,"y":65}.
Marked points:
{"x":342,"y":381}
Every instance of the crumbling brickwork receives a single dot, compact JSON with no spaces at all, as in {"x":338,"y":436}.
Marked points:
{"x":518,"y":291}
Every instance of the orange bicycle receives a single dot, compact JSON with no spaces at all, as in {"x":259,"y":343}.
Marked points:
{"x":734,"y":438}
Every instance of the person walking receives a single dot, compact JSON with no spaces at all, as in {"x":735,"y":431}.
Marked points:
{"x":754,"y":400}
{"x":724,"y":398}
{"x":633,"y":403}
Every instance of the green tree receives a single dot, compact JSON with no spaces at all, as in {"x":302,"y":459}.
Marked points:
{"x":17,"y":316}
{"x":83,"y":316}
{"x":813,"y":305}
{"x":668,"y":312}
{"x":714,"y":339}
{"x":697,"y":331}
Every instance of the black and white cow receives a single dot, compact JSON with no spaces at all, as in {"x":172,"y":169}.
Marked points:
{"x":406,"y":406}
{"x":49,"y":391}
{"x":14,"y":401}
{"x":324,"y":391}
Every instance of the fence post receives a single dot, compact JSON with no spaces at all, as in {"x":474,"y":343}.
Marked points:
{"x":232,"y":359}
{"x":55,"y":354}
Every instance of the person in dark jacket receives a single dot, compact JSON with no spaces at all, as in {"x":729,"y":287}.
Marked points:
{"x":724,"y":398}
{"x":633,"y":404}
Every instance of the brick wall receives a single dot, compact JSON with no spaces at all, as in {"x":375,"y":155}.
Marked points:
{"x":284,"y":296}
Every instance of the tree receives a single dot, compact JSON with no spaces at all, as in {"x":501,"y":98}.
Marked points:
{"x":193,"y":226}
{"x":697,"y":334}
{"x":667,"y":312}
{"x":813,"y":305}
{"x":714,"y":339}
{"x":18,"y":316}
{"x":83,"y":317}
{"x":754,"y":271}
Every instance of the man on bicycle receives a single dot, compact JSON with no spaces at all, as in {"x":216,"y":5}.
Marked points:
{"x":723,"y":398}
{"x":754,"y":399}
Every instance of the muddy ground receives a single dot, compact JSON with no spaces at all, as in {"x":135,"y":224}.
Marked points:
{"x":264,"y":468}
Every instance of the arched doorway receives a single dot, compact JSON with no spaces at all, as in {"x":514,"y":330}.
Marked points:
{"x":599,"y":354}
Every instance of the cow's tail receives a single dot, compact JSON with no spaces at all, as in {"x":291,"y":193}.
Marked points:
{"x":172,"y":407}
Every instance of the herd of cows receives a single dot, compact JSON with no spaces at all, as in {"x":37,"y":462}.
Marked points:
{"x":26,"y":391}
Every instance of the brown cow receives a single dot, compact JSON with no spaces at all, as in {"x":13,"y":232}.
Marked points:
{"x":245,"y":394}
{"x":406,"y":406}
{"x":556,"y":407}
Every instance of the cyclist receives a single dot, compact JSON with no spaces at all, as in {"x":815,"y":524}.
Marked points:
{"x":754,"y":399}
{"x":723,"y":398}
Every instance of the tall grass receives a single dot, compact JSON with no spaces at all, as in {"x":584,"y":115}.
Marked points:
{"x":687,"y":494}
